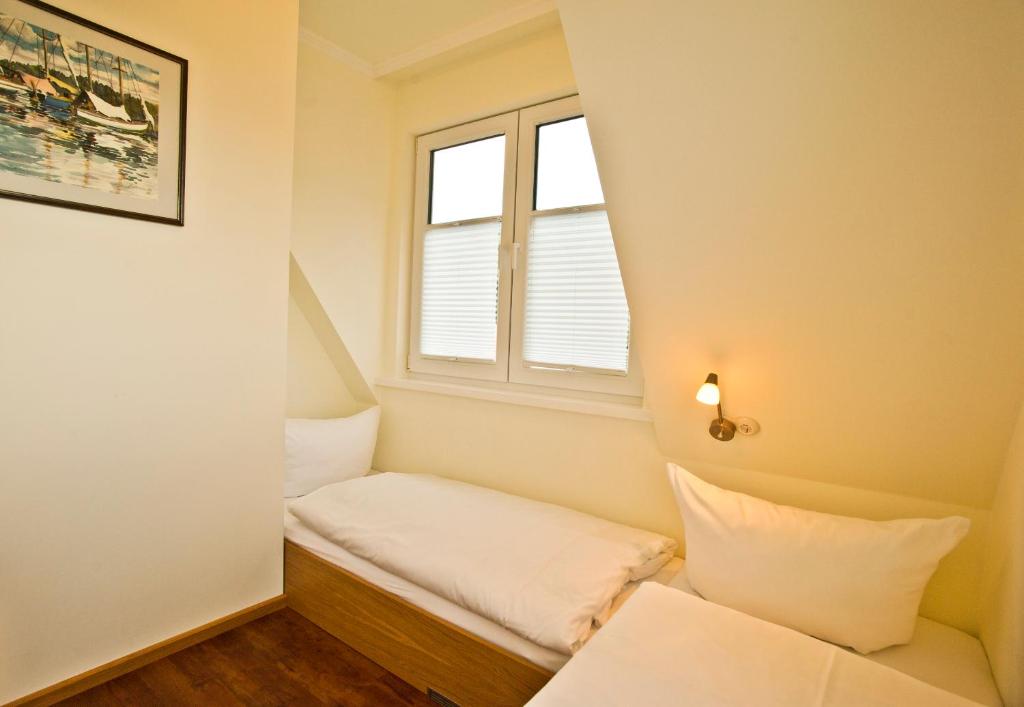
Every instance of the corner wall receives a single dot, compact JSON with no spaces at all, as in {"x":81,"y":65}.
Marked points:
{"x":1002,"y":610}
{"x":142,"y":371}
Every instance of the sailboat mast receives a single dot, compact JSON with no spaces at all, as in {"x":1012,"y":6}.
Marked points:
{"x":16,"y":45}
{"x":46,"y":59}
{"x":88,"y":66}
{"x":67,"y":60}
{"x":120,"y":79}
{"x":9,"y":28}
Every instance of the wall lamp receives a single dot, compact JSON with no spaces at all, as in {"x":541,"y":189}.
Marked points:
{"x":722,"y":429}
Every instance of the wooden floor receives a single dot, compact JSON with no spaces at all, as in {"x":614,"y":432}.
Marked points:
{"x":281,"y":659}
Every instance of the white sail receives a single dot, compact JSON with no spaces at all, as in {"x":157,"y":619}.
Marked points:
{"x":111,"y":111}
{"x":38,"y":84}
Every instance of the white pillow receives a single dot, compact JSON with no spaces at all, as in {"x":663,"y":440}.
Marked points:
{"x":850,"y":581}
{"x":321,"y":452}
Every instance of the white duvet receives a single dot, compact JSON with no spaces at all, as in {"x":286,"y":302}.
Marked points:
{"x":540,"y":570}
{"x":666,"y":647}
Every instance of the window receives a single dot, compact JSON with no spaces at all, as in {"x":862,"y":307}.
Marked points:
{"x":515,"y":276}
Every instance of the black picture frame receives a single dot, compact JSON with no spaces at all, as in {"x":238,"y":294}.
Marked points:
{"x":178,"y":218}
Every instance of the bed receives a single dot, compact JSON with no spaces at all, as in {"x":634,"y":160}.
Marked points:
{"x":439,"y":645}
{"x":667,"y":647}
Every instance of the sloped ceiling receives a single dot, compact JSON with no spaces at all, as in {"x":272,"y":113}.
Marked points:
{"x":820,"y":201}
{"x":353,"y":392}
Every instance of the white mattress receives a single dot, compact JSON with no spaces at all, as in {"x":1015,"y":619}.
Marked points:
{"x":940,"y":655}
{"x":945,"y":657}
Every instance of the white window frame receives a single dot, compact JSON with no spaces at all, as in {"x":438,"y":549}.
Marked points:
{"x":509,"y":368}
{"x":506,"y":125}
{"x":520,"y":371}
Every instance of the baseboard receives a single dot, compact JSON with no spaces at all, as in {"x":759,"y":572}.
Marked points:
{"x":108,"y":671}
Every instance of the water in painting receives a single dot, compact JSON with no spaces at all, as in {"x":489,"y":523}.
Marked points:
{"x":76,"y":114}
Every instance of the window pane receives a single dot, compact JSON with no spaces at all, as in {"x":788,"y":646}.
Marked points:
{"x":576,"y":312}
{"x":566,"y":170}
{"x":467,"y":180}
{"x":459,"y":317}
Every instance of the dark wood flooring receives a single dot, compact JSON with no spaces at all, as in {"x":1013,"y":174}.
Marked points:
{"x":280,"y":659}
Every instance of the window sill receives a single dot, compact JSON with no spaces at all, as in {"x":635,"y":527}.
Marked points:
{"x":517,"y":397}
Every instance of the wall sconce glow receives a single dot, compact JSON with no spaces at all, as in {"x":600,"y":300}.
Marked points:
{"x":721,"y":429}
{"x":709,"y":393}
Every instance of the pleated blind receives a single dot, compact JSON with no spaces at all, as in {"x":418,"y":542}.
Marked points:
{"x":459,"y":300}
{"x":576,"y":314}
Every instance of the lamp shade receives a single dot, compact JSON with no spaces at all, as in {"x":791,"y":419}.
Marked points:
{"x":709,"y":393}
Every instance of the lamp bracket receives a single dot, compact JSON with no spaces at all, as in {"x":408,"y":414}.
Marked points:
{"x":722,"y":429}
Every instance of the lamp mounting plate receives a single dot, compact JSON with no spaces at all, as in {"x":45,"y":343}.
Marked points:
{"x":723,"y":430}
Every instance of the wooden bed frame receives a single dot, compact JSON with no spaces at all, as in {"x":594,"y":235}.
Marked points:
{"x":448,"y":663}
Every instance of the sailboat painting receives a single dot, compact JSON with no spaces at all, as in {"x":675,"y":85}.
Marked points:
{"x":89,"y":118}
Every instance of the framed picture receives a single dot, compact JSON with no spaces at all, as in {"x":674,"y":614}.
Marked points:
{"x":89,"y":119}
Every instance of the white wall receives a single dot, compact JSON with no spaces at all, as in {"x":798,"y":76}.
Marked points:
{"x":142,"y":371}
{"x":1002,"y":611}
{"x":819,"y":201}
{"x":605,"y":466}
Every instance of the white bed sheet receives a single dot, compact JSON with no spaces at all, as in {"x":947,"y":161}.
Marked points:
{"x":486,"y":629}
{"x":665,"y":647}
{"x":939,"y":655}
